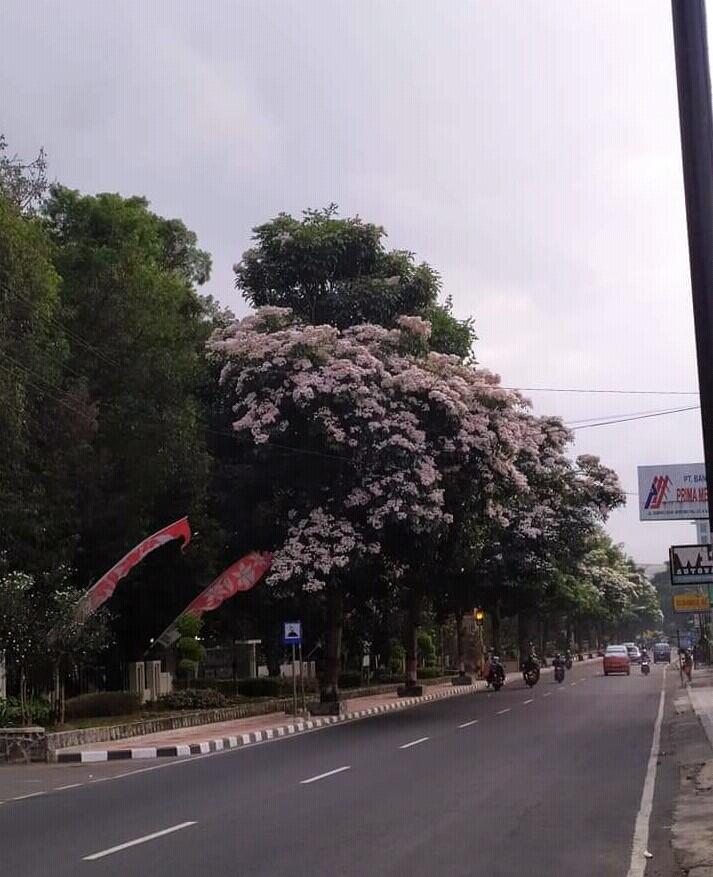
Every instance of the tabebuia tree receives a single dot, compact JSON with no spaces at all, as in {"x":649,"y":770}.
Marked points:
{"x":380,"y":425}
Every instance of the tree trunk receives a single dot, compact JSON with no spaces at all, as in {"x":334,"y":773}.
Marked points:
{"x":56,"y":697}
{"x":24,"y":705}
{"x":413,"y":620}
{"x":460,"y":641}
{"x":495,"y":625}
{"x":335,"y":618}
{"x":568,"y":631}
{"x":523,"y":635}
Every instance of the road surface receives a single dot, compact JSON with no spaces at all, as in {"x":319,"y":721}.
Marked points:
{"x":546,"y":783}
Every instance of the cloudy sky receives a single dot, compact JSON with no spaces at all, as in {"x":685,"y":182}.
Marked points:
{"x":527,"y":149}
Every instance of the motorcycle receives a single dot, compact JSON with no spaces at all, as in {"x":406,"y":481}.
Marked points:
{"x":496,"y":675}
{"x":559,"y":672}
{"x":531,"y":675}
{"x":645,"y":667}
{"x":568,"y":662}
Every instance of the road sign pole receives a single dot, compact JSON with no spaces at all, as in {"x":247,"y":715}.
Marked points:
{"x":294,"y":682}
{"x":696,"y":122}
{"x":302,"y":680}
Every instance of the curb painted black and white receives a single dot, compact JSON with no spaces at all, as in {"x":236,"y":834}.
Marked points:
{"x":235,"y":741}
{"x":238,"y":740}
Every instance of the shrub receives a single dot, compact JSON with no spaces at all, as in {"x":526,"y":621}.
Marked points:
{"x":350,"y":679}
{"x":431,"y":673}
{"x":265,"y":686}
{"x":192,"y":699}
{"x":11,"y":714}
{"x":397,"y":656}
{"x":426,"y":649}
{"x":103,"y":703}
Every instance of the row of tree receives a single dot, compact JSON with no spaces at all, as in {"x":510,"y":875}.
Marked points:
{"x":344,"y":425}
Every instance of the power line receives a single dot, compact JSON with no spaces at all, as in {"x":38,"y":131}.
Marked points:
{"x":636,"y":417}
{"x":45,"y":391}
{"x":606,"y":417}
{"x":605,"y":392}
{"x":71,"y":335}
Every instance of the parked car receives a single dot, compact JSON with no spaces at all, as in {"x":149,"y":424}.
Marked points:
{"x":662,"y":653}
{"x":616,"y":660}
{"x":634,"y":653}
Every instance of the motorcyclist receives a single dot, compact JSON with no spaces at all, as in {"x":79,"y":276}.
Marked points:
{"x":496,"y":669}
{"x":568,"y":659}
{"x":531,"y":662}
{"x":644,"y":654}
{"x":558,"y":660}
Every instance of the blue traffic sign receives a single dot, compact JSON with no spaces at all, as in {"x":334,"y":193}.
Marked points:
{"x":292,"y":635}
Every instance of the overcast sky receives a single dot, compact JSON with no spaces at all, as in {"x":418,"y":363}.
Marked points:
{"x":527,"y":149}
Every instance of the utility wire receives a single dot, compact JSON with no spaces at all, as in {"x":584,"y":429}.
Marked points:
{"x":71,"y":335}
{"x":636,"y":417}
{"x":605,"y":392}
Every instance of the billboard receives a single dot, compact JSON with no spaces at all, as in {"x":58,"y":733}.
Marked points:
{"x":676,"y":492}
{"x":691,"y":603}
{"x":691,"y":564}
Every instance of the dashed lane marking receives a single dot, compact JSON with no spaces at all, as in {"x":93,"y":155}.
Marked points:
{"x":502,"y":712}
{"x":529,"y":701}
{"x":414,"y":742}
{"x":138,"y":840}
{"x":322,"y":776}
{"x":468,"y":724}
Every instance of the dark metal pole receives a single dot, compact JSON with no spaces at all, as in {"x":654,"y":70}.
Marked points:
{"x":696,"y":119}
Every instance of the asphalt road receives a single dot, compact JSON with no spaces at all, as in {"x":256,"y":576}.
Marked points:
{"x":545,"y":782}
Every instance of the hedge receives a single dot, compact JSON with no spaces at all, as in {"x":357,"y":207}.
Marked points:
{"x":192,"y":699}
{"x":102,"y":703}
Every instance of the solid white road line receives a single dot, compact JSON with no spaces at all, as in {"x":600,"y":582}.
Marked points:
{"x":641,"y":826}
{"x":468,"y":724}
{"x":23,"y":797}
{"x":529,"y":701}
{"x":502,"y":712}
{"x":139,"y":840}
{"x":414,"y":742}
{"x":70,"y":786}
{"x":321,"y":776}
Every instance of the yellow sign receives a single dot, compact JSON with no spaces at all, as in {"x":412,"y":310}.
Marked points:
{"x":691,"y":603}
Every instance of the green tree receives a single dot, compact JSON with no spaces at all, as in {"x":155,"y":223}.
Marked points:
{"x":190,"y":650}
{"x":336,"y":271}
{"x":135,"y":329}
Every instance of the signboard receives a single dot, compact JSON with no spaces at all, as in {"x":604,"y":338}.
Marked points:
{"x":292,"y":635}
{"x":691,"y":564}
{"x":691,"y":603}
{"x":675,"y":492}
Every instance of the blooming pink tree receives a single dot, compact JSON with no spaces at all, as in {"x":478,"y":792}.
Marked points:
{"x":382,"y":429}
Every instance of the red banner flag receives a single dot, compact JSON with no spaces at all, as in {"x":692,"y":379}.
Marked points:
{"x":100,"y":591}
{"x":243,"y":575}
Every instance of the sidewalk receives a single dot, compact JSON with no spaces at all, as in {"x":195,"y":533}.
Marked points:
{"x":241,"y":732}
{"x":202,"y":739}
{"x":700,"y":693}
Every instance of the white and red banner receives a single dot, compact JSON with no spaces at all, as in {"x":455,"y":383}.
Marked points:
{"x":242,"y":575}
{"x":100,"y":591}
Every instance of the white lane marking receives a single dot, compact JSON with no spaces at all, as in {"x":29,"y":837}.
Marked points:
{"x":414,"y":742}
{"x":70,"y":786}
{"x":529,"y":701}
{"x":321,"y":776}
{"x":547,"y":694}
{"x":139,"y":840}
{"x":572,"y":683}
{"x":502,"y":712}
{"x":468,"y":724}
{"x":641,"y":826}
{"x":23,"y":797}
